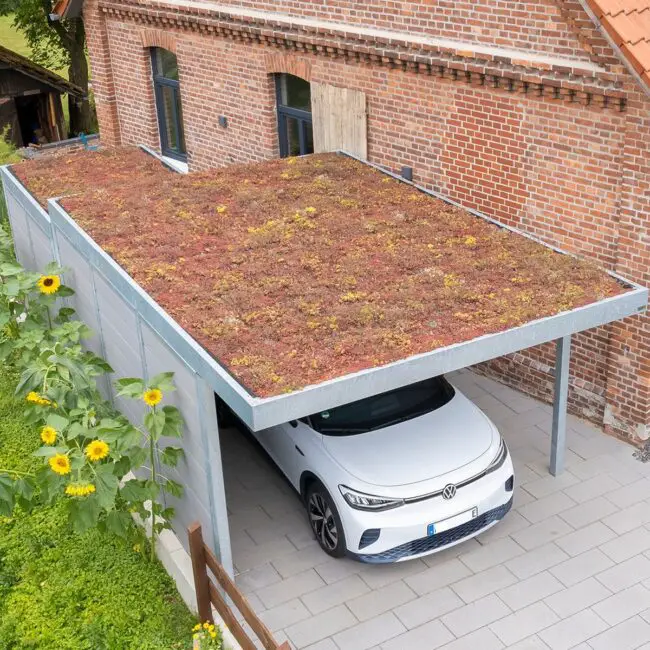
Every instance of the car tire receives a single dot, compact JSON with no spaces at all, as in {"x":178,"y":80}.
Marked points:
{"x":324,"y":520}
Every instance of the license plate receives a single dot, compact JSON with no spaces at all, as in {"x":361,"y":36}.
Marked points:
{"x":452,"y":522}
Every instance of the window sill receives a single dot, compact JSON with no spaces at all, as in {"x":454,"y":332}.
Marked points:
{"x":179,"y":166}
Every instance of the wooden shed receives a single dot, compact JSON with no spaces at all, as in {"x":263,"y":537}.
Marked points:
{"x":30,"y":100}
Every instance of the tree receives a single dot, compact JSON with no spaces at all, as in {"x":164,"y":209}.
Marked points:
{"x":55,"y":45}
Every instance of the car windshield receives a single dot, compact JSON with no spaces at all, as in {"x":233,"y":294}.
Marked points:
{"x":384,"y":410}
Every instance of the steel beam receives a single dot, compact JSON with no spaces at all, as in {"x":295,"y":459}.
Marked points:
{"x":558,"y":431}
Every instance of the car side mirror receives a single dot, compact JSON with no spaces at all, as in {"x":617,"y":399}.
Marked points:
{"x":293,"y":423}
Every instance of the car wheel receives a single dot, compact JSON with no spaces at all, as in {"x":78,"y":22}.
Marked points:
{"x":325,"y":521}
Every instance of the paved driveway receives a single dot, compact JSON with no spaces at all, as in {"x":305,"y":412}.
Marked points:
{"x":569,"y":567}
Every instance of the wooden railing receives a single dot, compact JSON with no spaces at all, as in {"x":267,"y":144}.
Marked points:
{"x":208,"y":594}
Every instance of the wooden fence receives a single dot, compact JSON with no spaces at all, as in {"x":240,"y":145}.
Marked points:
{"x":207,"y":594}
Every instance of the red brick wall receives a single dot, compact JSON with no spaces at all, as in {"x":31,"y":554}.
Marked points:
{"x":534,"y":25}
{"x":572,"y":174}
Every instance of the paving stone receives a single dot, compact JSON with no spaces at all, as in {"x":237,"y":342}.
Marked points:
{"x":260,"y":555}
{"x":333,"y":570}
{"x":325,"y":644}
{"x":623,"y":605}
{"x":546,"y":507}
{"x":284,"y":615}
{"x":573,"y":630}
{"x":630,"y":494}
{"x":624,"y":521}
{"x":585,"y":538}
{"x":321,"y":626}
{"x":483,"y":639}
{"x":380,"y":575}
{"x":531,"y":643}
{"x":549,"y":484}
{"x":370,"y":633}
{"x":537,"y":560}
{"x":574,"y":599}
{"x":592,"y":488}
{"x":478,"y":614}
{"x":527,"y":621}
{"x":335,"y":594}
{"x":426,"y":608}
{"x":529,"y":591}
{"x":437,"y":576}
{"x":380,"y":600}
{"x":257,"y":578}
{"x":426,"y":637}
{"x":542,"y":533}
{"x":307,"y":558}
{"x":484,"y":583}
{"x":628,"y":545}
{"x":581,"y":567}
{"x":626,"y":574}
{"x":293,"y":587}
{"x":491,"y":554}
{"x":588,"y":512}
{"x":510,"y":524}
{"x":627,"y":635}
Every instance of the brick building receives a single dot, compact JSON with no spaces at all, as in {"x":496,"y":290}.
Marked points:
{"x":536,"y":113}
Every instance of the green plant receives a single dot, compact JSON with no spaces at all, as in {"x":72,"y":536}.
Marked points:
{"x":88,"y":449}
{"x":60,"y":590}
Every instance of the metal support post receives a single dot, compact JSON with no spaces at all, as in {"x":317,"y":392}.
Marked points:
{"x":558,"y":432}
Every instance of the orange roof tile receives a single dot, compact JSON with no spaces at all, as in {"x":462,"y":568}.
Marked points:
{"x":628,"y":24}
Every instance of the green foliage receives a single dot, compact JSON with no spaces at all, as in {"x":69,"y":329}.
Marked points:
{"x":88,"y":448}
{"x":63,"y":591}
{"x":46,"y":41}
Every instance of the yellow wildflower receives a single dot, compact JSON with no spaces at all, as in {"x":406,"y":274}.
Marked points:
{"x":470,"y":240}
{"x":196,"y":628}
{"x":48,"y":284}
{"x":60,"y":464}
{"x":221,"y":209}
{"x":310,"y":210}
{"x":79,"y":489}
{"x":152,"y":396}
{"x":96,"y":450}
{"x":48,"y":435}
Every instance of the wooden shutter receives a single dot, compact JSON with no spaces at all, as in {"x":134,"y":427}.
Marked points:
{"x":339,"y":120}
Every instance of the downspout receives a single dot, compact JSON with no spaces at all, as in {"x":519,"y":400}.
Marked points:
{"x":624,"y":60}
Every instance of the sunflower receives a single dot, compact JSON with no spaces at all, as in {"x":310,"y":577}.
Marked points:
{"x":48,"y":435}
{"x":152,"y":396}
{"x":60,"y":464}
{"x":96,"y":450}
{"x":35,"y":398}
{"x":49,"y":283}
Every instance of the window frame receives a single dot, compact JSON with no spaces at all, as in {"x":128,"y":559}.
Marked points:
{"x":303,"y":118}
{"x":159,"y":82}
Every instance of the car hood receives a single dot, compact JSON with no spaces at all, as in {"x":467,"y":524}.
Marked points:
{"x":417,"y":450}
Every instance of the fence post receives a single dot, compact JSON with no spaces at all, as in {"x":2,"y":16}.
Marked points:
{"x":201,"y":580}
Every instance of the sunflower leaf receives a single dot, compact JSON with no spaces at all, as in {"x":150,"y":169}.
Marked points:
{"x":106,"y":484}
{"x":163,"y":381}
{"x":83,"y":513}
{"x":130,"y":386}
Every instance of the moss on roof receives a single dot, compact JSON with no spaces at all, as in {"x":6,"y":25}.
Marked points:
{"x":292,"y":272}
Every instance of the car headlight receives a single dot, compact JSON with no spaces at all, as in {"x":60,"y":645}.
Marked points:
{"x":499,"y":459}
{"x":361,"y":501}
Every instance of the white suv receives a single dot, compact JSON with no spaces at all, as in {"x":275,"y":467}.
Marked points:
{"x":398,"y":475}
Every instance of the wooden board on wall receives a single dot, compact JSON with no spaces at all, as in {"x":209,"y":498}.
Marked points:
{"x":339,"y":119}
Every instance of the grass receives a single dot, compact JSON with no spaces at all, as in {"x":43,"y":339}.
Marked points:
{"x":13,"y":39}
{"x":64,"y":591}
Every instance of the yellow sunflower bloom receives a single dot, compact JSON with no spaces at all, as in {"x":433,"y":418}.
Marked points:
{"x":60,"y":464}
{"x":48,"y":435}
{"x":48,"y":284}
{"x":152,"y":396}
{"x":96,"y":450}
{"x":196,"y":628}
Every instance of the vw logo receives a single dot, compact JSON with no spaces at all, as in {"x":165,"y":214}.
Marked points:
{"x":449,"y":491}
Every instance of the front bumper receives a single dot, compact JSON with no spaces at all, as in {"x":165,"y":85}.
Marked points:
{"x":403,"y":531}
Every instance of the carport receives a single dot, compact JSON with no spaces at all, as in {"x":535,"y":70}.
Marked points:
{"x":71,"y":245}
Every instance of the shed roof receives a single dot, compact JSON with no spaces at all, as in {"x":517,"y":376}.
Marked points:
{"x":27,"y":67}
{"x":627,"y":22}
{"x":325,"y":279}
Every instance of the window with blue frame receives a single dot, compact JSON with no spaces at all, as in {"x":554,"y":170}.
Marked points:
{"x":164,"y":66}
{"x":294,"y":115}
